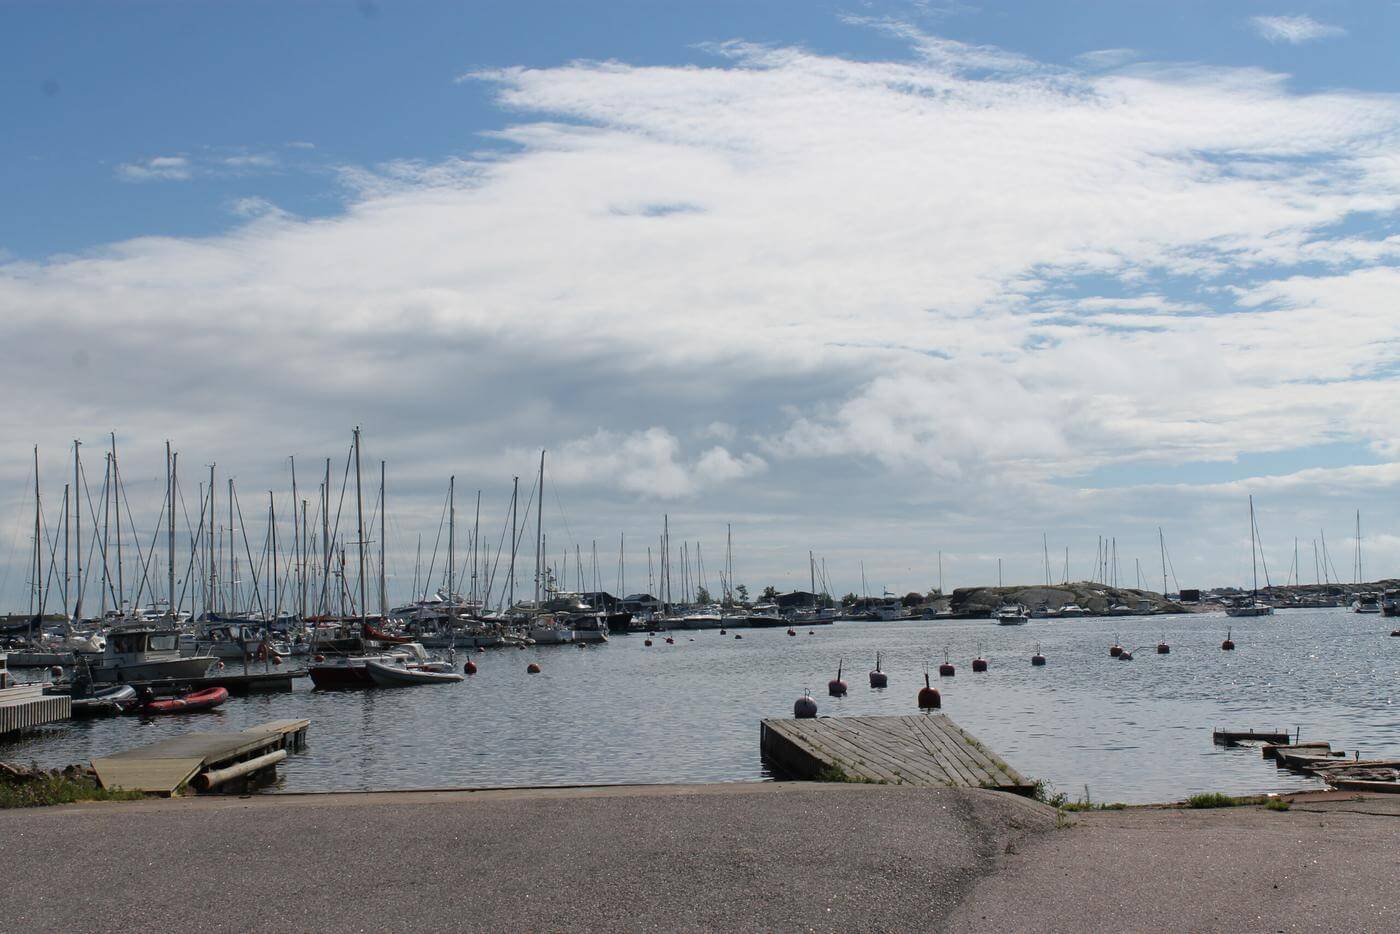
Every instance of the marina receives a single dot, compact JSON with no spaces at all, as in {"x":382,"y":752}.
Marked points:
{"x":689,"y":711}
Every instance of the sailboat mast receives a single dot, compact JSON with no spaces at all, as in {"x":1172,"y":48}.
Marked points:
{"x":296,"y":536}
{"x":1253,"y":559}
{"x":117,"y":490}
{"x":38,"y":543}
{"x":276,"y":588}
{"x":326,"y":545}
{"x":514,"y":534}
{"x":451,"y":542}
{"x":213,"y":565}
{"x":360,"y":529}
{"x":476,"y":549}
{"x":1358,"y":551}
{"x":78,"y":537}
{"x":301,"y":596}
{"x":383,"y":534}
{"x":539,"y":534}
{"x":170,"y":539}
{"x":232,"y":606}
{"x":67,"y":525}
{"x":107,"y":532}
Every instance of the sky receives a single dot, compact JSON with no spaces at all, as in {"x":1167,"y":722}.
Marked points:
{"x":877,"y":280}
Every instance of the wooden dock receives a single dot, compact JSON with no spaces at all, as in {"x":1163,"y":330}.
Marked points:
{"x":165,"y":767}
{"x":922,"y":749}
{"x":26,"y":706}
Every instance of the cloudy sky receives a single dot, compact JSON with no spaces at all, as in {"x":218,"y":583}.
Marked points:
{"x":875,"y":279}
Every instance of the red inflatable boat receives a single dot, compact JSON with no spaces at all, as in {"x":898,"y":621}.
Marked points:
{"x":199,"y":700}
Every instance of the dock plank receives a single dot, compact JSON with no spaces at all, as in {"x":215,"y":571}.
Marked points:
{"x":925,"y":749}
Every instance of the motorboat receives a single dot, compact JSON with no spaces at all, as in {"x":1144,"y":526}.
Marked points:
{"x":230,"y":641}
{"x":1390,"y":603}
{"x":1071,"y":611}
{"x":1249,"y":607}
{"x":207,"y":699}
{"x":147,"y":652}
{"x":1011,"y":614}
{"x":352,"y":671}
{"x":1366,"y":603}
{"x":397,"y":675}
{"x":766,"y":616}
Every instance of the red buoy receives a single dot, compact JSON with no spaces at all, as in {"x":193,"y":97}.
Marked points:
{"x":469,"y":667}
{"x":979,"y":665}
{"x":1228,"y":645}
{"x":878,"y":679}
{"x":946,"y":670}
{"x":1037,"y":659}
{"x":532,"y":669}
{"x":647,"y":643}
{"x":792,"y":632}
{"x":1163,"y":648}
{"x":929,"y":698}
{"x":836,"y":687}
{"x":1115,"y":650}
{"x":805,"y":708}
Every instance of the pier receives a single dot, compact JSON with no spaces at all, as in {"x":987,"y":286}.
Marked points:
{"x":26,"y":706}
{"x":205,"y":759}
{"x":923,"y":749}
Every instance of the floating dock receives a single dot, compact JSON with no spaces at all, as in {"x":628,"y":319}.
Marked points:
{"x":205,"y":759}
{"x":1260,"y":737}
{"x":922,"y":749}
{"x":26,"y":706}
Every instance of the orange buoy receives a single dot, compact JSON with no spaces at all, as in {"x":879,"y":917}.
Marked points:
{"x":878,"y":679}
{"x":929,"y":698}
{"x":469,"y":667}
{"x":532,"y":669}
{"x":805,"y":708}
{"x":836,"y":687}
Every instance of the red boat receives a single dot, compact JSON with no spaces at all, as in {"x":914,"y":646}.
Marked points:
{"x":198,"y":700}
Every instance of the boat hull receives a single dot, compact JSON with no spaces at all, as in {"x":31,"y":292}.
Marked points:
{"x":396,"y":676}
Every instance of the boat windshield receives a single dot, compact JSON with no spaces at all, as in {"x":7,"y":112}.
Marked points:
{"x":163,"y":641}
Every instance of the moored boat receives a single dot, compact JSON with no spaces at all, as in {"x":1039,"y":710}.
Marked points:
{"x":395,"y":675}
{"x":206,"y":699}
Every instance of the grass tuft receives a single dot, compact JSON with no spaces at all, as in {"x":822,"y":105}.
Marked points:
{"x":55,"y":788}
{"x":1212,"y":799}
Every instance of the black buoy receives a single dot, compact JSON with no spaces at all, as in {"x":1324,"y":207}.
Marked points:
{"x":805,"y":708}
{"x":946,"y":670}
{"x":836,"y":687}
{"x":738,"y":635}
{"x":929,"y":698}
{"x":878,"y":679}
{"x":1228,"y":645}
{"x":1037,"y":659}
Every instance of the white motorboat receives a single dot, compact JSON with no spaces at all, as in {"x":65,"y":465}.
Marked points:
{"x":1011,"y":614}
{"x":147,"y":652}
{"x":1366,"y":603}
{"x":392,"y":674}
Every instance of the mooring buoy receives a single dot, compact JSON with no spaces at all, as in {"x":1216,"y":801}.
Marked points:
{"x":929,"y":698}
{"x":646,"y":642}
{"x":836,"y":687}
{"x":1229,"y":644}
{"x":805,"y":708}
{"x":1037,"y":659}
{"x":878,"y":679}
{"x":946,"y":670}
{"x":1163,"y":648}
{"x":532,"y":669}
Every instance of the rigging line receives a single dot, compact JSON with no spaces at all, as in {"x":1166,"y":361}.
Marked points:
{"x":495,"y":565}
{"x":432,"y":562}
{"x":195,"y":538}
{"x":150,"y":556}
{"x":143,"y":560}
{"x":247,"y":550}
{"x":558,"y":502}
{"x":20,"y":528}
{"x":335,"y":530}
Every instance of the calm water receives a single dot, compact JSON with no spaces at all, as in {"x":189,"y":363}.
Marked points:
{"x":1132,"y":731}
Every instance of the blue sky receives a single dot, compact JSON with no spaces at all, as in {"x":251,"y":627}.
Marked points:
{"x":871,"y":278}
{"x":96,"y":85}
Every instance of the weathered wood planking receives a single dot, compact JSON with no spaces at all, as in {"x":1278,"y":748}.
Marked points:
{"x":922,"y":749}
{"x":163,"y":767}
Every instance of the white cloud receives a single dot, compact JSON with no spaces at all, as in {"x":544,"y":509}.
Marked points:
{"x":948,"y":283}
{"x":156,"y":168}
{"x":1294,"y":30}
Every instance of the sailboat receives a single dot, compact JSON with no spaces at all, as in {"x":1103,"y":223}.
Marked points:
{"x":1252,"y":607}
{"x":1367,"y":601}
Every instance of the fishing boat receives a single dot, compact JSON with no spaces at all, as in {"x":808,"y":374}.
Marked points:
{"x":207,"y":699}
{"x":397,"y":675}
{"x":147,"y":652}
{"x":1251,"y":606}
{"x":1011,"y":614}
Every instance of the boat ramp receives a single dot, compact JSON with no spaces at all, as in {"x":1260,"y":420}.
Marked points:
{"x":922,"y":750}
{"x":204,"y":760}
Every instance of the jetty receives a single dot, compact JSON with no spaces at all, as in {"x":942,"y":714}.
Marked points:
{"x":205,"y":760}
{"x":26,"y":706}
{"x":922,"y":749}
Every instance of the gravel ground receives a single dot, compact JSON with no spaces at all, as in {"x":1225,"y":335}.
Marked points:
{"x":771,"y":857}
{"x":720,"y":857}
{"x":1328,"y":864}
